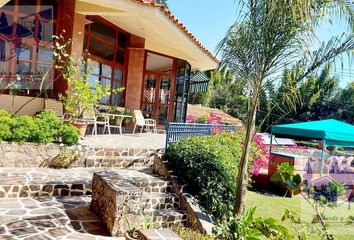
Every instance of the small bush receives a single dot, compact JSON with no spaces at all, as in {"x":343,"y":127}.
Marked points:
{"x":22,"y":129}
{"x":44,"y":128}
{"x":248,"y":226}
{"x":202,"y":119}
{"x":48,"y":129}
{"x":6,"y":122}
{"x":189,"y":234}
{"x":69,"y":134}
{"x":209,"y":165}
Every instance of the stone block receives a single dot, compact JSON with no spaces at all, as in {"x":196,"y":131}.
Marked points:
{"x":115,"y":201}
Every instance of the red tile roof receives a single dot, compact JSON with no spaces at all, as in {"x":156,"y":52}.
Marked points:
{"x":179,"y":24}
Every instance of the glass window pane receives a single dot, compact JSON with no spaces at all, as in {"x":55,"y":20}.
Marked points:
{"x":101,"y":50}
{"x":95,"y":67}
{"x":106,"y":71}
{"x":165,"y":86}
{"x":148,"y":110}
{"x":5,"y":57}
{"x":116,"y":99}
{"x":163,"y":114}
{"x":105,"y":84}
{"x":93,"y":80}
{"x":102,"y":30}
{"x":45,"y":55}
{"x":23,"y":68}
{"x":118,"y":74}
{"x":116,"y":85}
{"x":44,"y":70}
{"x":149,"y":89}
{"x":120,"y":57}
{"x":26,"y":52}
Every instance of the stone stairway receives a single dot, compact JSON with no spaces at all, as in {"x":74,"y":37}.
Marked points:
{"x":41,"y":203}
{"x":119,"y":158}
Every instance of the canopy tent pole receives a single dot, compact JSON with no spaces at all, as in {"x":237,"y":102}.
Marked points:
{"x":270,"y":143}
{"x":322,"y":157}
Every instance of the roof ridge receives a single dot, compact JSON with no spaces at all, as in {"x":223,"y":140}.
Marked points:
{"x":178,"y":23}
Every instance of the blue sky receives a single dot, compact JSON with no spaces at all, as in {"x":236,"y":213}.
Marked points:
{"x":209,"y":20}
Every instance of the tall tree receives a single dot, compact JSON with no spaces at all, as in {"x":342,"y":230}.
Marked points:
{"x":163,"y":2}
{"x":271,"y":35}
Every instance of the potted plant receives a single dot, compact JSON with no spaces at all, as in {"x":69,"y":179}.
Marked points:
{"x":81,"y":99}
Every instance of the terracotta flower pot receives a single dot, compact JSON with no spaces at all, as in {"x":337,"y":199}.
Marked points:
{"x":81,"y":126}
{"x":127,"y":237}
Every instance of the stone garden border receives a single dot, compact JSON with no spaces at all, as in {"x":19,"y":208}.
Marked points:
{"x":198,"y":219}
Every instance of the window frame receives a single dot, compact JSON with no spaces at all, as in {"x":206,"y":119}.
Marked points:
{"x":112,"y":63}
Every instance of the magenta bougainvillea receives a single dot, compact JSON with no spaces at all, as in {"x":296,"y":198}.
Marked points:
{"x":215,"y":120}
{"x":191,"y":118}
{"x":260,"y":154}
{"x":261,"y":157}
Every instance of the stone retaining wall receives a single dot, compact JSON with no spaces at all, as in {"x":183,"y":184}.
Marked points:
{"x":13,"y":155}
{"x":197,"y":218}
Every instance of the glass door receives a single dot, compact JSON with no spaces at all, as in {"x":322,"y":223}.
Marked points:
{"x":157,"y":97}
{"x":163,"y":107}
{"x":149,"y":95}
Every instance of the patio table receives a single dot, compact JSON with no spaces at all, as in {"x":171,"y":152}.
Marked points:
{"x":119,"y":117}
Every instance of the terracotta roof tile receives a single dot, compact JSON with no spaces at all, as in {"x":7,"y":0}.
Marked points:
{"x":179,"y":24}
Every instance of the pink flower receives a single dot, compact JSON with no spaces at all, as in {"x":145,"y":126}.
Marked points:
{"x":191,"y":118}
{"x":256,"y":171}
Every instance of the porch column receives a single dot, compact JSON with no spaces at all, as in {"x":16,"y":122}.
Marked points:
{"x":74,"y":25}
{"x":135,"y":73}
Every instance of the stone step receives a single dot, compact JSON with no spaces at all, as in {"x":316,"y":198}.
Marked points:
{"x":169,"y":218}
{"x":36,"y":182}
{"x":152,"y":185}
{"x":50,"y":218}
{"x":115,"y":152}
{"x":160,"y":201}
{"x":131,"y":162}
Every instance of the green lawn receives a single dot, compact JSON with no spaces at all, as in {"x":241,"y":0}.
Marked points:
{"x":273,"y":206}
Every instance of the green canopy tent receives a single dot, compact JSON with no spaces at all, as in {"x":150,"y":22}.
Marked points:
{"x":331,"y":132}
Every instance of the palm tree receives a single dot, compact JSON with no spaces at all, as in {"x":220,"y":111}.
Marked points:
{"x":270,"y":36}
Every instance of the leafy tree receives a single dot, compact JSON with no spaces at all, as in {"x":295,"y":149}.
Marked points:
{"x":163,"y":2}
{"x":309,"y":100}
{"x":344,"y":104}
{"x":271,"y":35}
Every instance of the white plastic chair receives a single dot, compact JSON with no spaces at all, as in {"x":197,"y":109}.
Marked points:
{"x":91,"y":118}
{"x":140,"y":121}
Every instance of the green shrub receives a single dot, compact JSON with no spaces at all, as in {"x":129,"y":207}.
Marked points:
{"x":202,"y":119}
{"x":248,"y":226}
{"x":49,"y":127}
{"x":209,"y":165}
{"x":189,"y":234}
{"x":22,"y":128}
{"x":44,"y":128}
{"x":69,"y":134}
{"x":6,"y":122}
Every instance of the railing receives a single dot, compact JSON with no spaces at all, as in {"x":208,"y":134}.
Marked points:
{"x":178,"y":131}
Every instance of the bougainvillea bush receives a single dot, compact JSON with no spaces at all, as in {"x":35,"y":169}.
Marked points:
{"x":209,"y":165}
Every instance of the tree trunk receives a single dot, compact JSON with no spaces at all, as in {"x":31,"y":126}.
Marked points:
{"x":241,"y":180}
